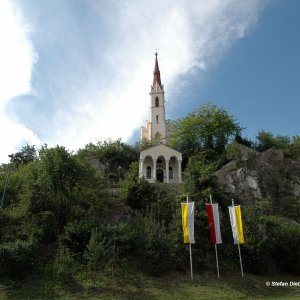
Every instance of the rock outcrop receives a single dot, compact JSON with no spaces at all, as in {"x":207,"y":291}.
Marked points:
{"x":255,"y":175}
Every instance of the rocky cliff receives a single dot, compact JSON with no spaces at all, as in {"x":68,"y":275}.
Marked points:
{"x":255,"y":175}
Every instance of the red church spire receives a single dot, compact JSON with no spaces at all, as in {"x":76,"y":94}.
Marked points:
{"x":156,"y":73}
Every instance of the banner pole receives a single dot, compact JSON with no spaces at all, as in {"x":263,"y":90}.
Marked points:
{"x":241,"y":263}
{"x":216,"y":248}
{"x":191,"y":262}
{"x":190,"y":246}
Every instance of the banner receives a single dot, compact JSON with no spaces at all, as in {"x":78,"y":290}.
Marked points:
{"x":214,"y":223}
{"x":187,"y":210}
{"x":236,"y":224}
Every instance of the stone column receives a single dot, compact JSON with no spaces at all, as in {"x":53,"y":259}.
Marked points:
{"x":141,"y":168}
{"x":179,"y":172}
{"x":154,"y":170}
{"x":167,"y":171}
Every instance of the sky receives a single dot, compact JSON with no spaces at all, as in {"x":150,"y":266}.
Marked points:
{"x":74,"y":72}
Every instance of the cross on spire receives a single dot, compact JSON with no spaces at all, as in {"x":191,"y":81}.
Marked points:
{"x":156,"y":73}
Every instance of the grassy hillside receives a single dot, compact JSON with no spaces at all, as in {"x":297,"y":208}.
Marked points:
{"x":204,"y":286}
{"x":84,"y":226}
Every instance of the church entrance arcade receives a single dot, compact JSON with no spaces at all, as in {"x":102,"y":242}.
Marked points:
{"x":161,"y":164}
{"x":160,"y":175}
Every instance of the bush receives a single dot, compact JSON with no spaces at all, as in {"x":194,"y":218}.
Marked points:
{"x":64,"y":266}
{"x":272,"y":242}
{"x":267,"y":140}
{"x":140,"y":195}
{"x":76,"y":237}
{"x":17,"y":257}
{"x":294,"y":148}
{"x":96,"y":253}
{"x":157,"y":246}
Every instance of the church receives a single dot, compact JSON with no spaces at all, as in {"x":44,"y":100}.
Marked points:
{"x":159,"y":163}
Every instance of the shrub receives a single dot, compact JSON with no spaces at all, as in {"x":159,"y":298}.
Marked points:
{"x":76,"y":236}
{"x":16,"y":257}
{"x":96,"y":253}
{"x":272,"y":242}
{"x":64,"y":266}
{"x":156,"y":246}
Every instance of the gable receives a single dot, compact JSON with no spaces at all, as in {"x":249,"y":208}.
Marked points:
{"x":161,"y":150}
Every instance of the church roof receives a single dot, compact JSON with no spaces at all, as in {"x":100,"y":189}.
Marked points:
{"x":156,"y":73}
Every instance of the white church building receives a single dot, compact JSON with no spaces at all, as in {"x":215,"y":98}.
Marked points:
{"x":159,"y":163}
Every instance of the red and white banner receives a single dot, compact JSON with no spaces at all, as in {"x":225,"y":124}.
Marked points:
{"x":214,"y":223}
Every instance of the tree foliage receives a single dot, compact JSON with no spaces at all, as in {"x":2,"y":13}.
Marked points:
{"x":25,"y":156}
{"x":57,"y":203}
{"x":115,"y":157}
{"x":60,"y":180}
{"x":267,"y":140}
{"x":272,"y":240}
{"x":208,"y":127}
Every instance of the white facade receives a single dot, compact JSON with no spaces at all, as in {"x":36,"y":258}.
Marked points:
{"x":161,"y":163}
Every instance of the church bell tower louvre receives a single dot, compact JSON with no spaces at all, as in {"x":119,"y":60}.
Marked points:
{"x":159,"y":163}
{"x":157,"y":128}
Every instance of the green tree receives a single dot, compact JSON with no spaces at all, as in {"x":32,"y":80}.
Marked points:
{"x":25,"y":156}
{"x":208,"y":127}
{"x":294,"y":148}
{"x":145,"y":144}
{"x":65,"y":267}
{"x":267,"y":140}
{"x":272,"y":242}
{"x":76,"y":236}
{"x":244,"y":141}
{"x":97,"y":251}
{"x":60,"y":178}
{"x":158,"y":246}
{"x":200,"y":176}
{"x":137,"y":192}
{"x":114,"y":156}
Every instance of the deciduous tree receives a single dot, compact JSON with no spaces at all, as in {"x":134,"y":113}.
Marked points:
{"x":208,"y":127}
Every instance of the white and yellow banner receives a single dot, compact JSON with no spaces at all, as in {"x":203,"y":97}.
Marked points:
{"x":187,"y":210}
{"x":236,"y":224}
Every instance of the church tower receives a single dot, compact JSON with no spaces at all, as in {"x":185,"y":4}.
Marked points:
{"x":157,"y":128}
{"x":159,"y":163}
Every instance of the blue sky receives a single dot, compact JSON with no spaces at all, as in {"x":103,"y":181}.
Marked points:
{"x":259,"y":79}
{"x":74,"y":72}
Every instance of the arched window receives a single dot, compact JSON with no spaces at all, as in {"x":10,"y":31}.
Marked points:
{"x":170,"y":173}
{"x":148,"y":172}
{"x":156,"y":101}
{"x":156,"y":119}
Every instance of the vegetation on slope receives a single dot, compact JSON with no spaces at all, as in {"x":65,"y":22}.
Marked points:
{"x":68,"y":215}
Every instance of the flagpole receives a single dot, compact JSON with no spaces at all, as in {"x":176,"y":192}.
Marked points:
{"x":216,"y":248}
{"x":241,"y":263}
{"x":241,"y":260}
{"x":190,"y":246}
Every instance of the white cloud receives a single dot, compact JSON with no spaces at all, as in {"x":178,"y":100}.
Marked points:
{"x":189,"y":35}
{"x":16,"y":60}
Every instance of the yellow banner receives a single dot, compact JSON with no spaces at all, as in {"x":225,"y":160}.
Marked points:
{"x":239,"y":224}
{"x":185,"y":222}
{"x":187,"y":210}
